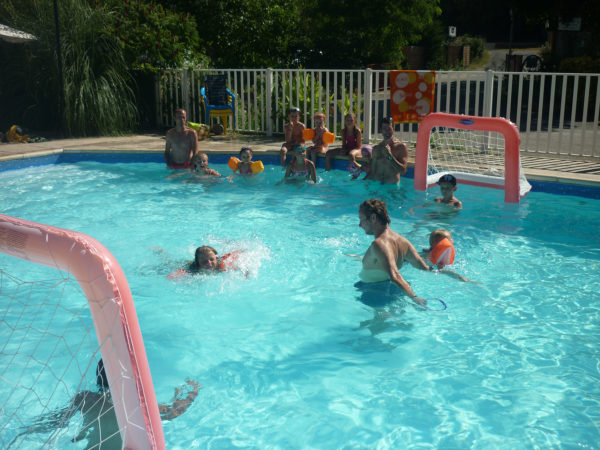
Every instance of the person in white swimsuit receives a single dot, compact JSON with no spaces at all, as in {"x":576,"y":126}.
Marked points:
{"x":387,"y":252}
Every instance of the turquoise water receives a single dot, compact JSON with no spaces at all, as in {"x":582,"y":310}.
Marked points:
{"x":289,"y":357}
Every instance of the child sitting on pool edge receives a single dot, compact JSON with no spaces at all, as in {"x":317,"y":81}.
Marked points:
{"x":447,"y":185}
{"x":319,"y":147}
{"x":293,"y":134}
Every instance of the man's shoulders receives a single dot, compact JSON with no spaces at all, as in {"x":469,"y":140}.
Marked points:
{"x":397,"y":143}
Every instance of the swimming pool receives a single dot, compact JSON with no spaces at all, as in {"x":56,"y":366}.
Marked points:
{"x":290,"y":357}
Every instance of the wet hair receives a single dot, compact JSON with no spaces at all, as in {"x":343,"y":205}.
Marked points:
{"x":202,"y":251}
{"x":293,"y":109}
{"x":437,"y":235}
{"x":387,"y":120}
{"x":180,"y":110}
{"x":377,"y":207}
{"x":447,"y":178}
{"x":244,"y":149}
{"x":101,"y":378}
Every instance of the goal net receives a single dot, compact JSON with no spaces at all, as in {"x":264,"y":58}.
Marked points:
{"x":65,"y":306}
{"x":480,"y":151}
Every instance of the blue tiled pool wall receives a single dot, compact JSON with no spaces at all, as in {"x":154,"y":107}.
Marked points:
{"x":137,"y":157}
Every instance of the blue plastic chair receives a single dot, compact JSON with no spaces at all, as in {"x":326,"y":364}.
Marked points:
{"x":218,"y":101}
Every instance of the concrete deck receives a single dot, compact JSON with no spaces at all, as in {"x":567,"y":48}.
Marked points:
{"x":540,"y":168}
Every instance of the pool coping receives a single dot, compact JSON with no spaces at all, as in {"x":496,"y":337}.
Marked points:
{"x":558,"y":181}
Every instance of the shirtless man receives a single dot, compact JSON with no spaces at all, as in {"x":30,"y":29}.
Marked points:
{"x":293,"y":134}
{"x":388,"y":251}
{"x":390,"y":156}
{"x":182,"y":142}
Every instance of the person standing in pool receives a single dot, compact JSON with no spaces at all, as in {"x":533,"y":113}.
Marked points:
{"x":388,"y":251}
{"x":390,"y":156}
{"x":182,"y":142}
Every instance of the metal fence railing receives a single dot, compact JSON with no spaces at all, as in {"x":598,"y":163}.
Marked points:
{"x":557,"y":113}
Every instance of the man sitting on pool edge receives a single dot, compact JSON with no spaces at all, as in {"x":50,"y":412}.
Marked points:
{"x":388,"y":251}
{"x":182,"y":142}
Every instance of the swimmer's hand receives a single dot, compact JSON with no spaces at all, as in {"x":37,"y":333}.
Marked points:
{"x":419,"y":301}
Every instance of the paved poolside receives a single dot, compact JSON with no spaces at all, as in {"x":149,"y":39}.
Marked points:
{"x":540,"y":168}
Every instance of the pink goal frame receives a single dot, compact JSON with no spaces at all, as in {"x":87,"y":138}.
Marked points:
{"x":512,"y":142}
{"x":113,"y":312}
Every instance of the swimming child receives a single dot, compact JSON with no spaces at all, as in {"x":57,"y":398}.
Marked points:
{"x":318,"y":147}
{"x":198,"y":169}
{"x":356,"y":168}
{"x":293,"y":134}
{"x":245,"y":165}
{"x":351,"y":142}
{"x":300,"y":167}
{"x":447,"y":185}
{"x":441,"y":248}
{"x":207,"y":259}
{"x":441,"y":253}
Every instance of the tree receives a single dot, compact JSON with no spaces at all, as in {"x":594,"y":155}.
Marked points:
{"x":98,"y":96}
{"x":154,"y":37}
{"x":308,"y":33}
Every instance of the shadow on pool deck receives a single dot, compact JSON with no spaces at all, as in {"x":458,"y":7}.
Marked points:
{"x":540,"y":168}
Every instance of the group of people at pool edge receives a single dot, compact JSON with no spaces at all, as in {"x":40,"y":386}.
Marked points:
{"x":388,"y":161}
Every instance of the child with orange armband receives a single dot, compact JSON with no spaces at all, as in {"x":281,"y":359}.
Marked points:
{"x":245,"y":165}
{"x":317,"y":135}
{"x":441,"y":253}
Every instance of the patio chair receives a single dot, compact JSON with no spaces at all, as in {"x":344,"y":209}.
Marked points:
{"x":217,"y":100}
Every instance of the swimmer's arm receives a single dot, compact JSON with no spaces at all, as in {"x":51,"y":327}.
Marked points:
{"x":194,"y":143}
{"x":400,"y":157}
{"x":288,"y":170}
{"x":178,"y":406}
{"x":456,"y":276}
{"x":167,"y":149}
{"x":415,"y":260}
{"x":313,"y":172}
{"x":287,"y":132}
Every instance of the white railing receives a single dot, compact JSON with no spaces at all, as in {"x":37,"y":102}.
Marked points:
{"x":557,"y":113}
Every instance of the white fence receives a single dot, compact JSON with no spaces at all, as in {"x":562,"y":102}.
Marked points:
{"x":557,"y":113}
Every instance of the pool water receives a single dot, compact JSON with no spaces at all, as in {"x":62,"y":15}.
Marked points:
{"x":289,"y":356}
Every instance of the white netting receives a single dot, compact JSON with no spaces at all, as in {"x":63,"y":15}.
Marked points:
{"x":470,"y":155}
{"x":48,"y":360}
{"x":472,"y":151}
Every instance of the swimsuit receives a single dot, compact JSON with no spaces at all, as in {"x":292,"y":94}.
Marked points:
{"x":350,"y":140}
{"x":379,"y":294}
{"x":299,"y":173}
{"x":248,"y":170}
{"x":174,"y":165}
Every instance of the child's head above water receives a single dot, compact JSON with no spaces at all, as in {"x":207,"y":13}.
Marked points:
{"x":246,"y":154}
{"x":200,"y":161}
{"x":437,"y":235}
{"x":206,"y":258}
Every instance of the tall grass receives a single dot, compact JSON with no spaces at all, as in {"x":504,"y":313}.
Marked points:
{"x":97,"y":85}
